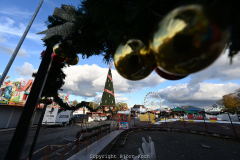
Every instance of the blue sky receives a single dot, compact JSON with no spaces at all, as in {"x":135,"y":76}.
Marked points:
{"x":85,"y":81}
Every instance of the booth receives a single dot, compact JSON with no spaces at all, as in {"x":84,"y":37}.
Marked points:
{"x":124,"y":119}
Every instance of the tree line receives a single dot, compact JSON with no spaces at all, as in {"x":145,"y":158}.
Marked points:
{"x":231,"y":101}
{"x":94,"y":104}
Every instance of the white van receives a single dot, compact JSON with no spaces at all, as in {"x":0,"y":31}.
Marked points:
{"x":56,"y":116}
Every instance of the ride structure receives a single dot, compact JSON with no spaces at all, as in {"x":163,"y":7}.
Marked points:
{"x":124,"y":120}
{"x":152,"y":101}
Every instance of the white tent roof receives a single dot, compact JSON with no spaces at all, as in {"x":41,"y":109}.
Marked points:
{"x":124,"y":112}
{"x":160,"y":109}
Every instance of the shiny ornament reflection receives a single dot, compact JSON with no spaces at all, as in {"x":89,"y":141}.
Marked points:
{"x":187,"y":40}
{"x":166,"y":75}
{"x":72,"y":61}
{"x":59,"y":49}
{"x":133,"y":60}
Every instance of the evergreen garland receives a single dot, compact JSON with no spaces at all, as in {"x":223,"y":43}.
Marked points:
{"x":102,"y":25}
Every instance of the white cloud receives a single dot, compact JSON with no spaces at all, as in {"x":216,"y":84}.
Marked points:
{"x":51,"y":3}
{"x":9,"y":50}
{"x":219,"y":70}
{"x":201,"y":95}
{"x":14,"y":12}
{"x":10,"y":27}
{"x":25,"y":70}
{"x":2,"y":39}
{"x":87,"y":80}
{"x":120,"y":98}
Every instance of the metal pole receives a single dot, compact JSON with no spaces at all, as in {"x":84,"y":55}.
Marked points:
{"x":37,"y":132}
{"x":20,"y":135}
{"x":134,"y":118}
{"x":69,"y":134}
{"x":148,"y":119}
{"x":204,"y":123}
{"x":184,"y":122}
{"x":165,"y":119}
{"x":19,"y":45}
{"x":64,"y":131}
{"x":232,"y":126}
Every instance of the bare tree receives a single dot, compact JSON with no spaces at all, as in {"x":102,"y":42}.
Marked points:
{"x":75,"y":102}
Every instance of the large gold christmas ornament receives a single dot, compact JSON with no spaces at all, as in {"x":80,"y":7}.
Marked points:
{"x":133,"y":60}
{"x":59,"y":49}
{"x":72,"y":61}
{"x":188,"y":40}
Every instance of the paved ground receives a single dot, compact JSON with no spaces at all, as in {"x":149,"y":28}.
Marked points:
{"x":47,"y":136}
{"x":184,"y":146}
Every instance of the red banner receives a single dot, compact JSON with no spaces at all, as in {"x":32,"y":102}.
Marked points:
{"x":110,"y":77}
{"x":109,"y":91}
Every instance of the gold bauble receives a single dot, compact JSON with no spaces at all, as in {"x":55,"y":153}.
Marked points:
{"x":133,"y":60}
{"x":72,"y":61}
{"x":188,"y":40}
{"x":59,"y":49}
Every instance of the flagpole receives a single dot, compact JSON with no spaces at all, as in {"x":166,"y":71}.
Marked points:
{"x":3,"y":76}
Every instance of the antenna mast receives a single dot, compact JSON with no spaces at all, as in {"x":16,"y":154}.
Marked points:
{"x":129,"y":96}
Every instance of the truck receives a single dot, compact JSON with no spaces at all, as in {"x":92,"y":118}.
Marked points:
{"x":56,"y":116}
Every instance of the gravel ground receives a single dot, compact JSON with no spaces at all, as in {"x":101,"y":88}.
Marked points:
{"x":177,"y":145}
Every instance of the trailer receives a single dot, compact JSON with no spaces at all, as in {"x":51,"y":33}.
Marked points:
{"x":56,"y":116}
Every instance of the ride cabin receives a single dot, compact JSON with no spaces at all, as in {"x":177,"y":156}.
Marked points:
{"x":124,"y":120}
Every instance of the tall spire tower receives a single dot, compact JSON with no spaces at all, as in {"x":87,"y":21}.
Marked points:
{"x":129,"y":97}
{"x":108,"y":97}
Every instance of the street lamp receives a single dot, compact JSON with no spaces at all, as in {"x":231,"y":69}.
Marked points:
{"x":204,"y":122}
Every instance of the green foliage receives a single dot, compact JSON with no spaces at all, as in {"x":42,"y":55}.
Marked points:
{"x":75,"y":102}
{"x":16,"y":83}
{"x":94,"y":104}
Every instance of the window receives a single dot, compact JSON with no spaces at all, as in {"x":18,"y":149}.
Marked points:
{"x":109,"y":95}
{"x":112,"y":101}
{"x":109,"y":85}
{"x":105,"y":101}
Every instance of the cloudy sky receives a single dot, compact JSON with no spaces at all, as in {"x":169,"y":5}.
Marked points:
{"x":85,"y":81}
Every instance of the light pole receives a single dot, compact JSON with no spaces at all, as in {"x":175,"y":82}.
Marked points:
{"x":204,"y":122}
{"x":134,"y":117}
{"x":235,"y":133}
{"x":19,"y":45}
{"x":149,"y":119}
{"x":165,"y":116}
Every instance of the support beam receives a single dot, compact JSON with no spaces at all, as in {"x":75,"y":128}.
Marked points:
{"x":37,"y":132}
{"x":20,"y":135}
